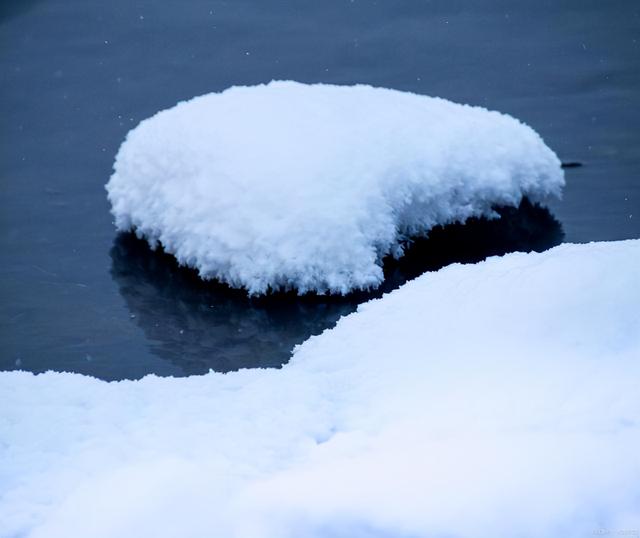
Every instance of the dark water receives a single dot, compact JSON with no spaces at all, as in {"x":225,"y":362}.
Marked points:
{"x":77,"y":75}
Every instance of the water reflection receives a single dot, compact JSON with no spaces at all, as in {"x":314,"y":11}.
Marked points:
{"x":205,"y":325}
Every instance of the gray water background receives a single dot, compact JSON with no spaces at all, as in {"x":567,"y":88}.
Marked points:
{"x":76,"y":75}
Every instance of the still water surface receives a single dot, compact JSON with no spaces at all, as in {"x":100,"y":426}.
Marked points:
{"x":76,"y":75}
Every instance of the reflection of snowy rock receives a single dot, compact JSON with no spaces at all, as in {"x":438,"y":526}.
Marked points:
{"x":200,"y":325}
{"x":497,"y":399}
{"x":309,"y":187}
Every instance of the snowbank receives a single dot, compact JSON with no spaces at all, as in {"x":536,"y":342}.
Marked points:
{"x":498,"y":399}
{"x":287,"y":185}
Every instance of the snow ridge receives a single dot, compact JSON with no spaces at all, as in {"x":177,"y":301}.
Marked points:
{"x":490,"y":400}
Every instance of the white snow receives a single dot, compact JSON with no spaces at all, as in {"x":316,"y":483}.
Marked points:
{"x":288,"y":185}
{"x":491,"y":400}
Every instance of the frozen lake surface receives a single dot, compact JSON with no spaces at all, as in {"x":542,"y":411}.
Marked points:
{"x":78,"y":75}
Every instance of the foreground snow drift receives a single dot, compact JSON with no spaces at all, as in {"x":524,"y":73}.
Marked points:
{"x":499,"y":399}
{"x":288,"y":185}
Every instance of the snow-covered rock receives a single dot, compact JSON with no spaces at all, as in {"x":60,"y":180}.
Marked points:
{"x":491,"y":400}
{"x":288,"y":185}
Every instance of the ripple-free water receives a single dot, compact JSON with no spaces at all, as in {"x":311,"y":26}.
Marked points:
{"x":77,"y":75}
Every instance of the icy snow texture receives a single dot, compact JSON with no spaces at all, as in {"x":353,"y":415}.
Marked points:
{"x":288,"y":185}
{"x":493,"y":400}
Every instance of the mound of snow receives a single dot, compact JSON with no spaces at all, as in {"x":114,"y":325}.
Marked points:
{"x":498,"y":399}
{"x":288,"y":185}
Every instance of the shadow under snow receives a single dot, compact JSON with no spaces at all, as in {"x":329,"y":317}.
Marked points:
{"x":199,"y":325}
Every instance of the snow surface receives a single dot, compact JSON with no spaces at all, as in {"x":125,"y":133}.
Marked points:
{"x":491,"y":400}
{"x":288,"y":185}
